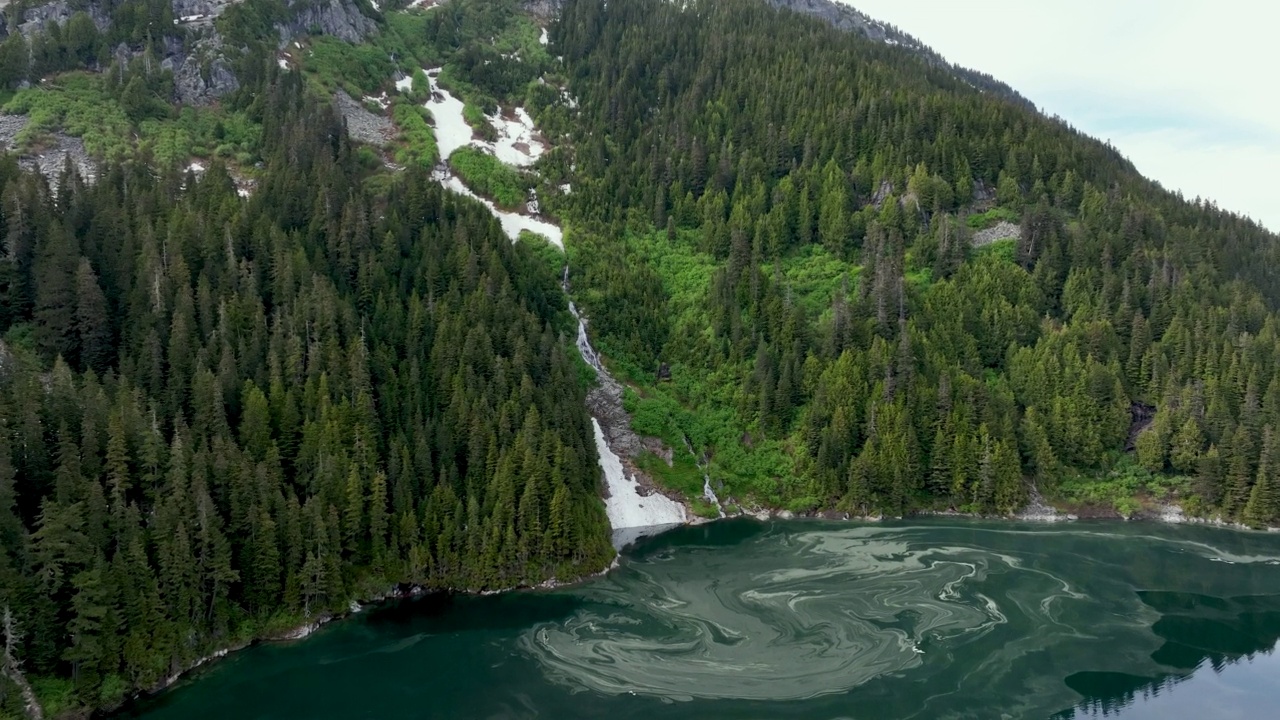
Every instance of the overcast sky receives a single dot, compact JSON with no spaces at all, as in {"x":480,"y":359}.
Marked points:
{"x":1189,"y":90}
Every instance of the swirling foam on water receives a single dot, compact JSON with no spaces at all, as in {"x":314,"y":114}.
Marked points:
{"x":820,"y":613}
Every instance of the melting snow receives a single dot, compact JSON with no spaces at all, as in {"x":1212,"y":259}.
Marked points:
{"x":625,"y":507}
{"x":452,"y":130}
{"x":543,"y":37}
{"x":517,"y":144}
{"x":512,"y":223}
{"x":284,"y":64}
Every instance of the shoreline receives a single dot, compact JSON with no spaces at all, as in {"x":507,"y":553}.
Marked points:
{"x":1168,"y":514}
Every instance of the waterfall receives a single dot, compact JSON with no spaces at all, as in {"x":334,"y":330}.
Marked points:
{"x":707,"y":493}
{"x":632,"y":515}
{"x":710,"y":494}
{"x":584,"y":343}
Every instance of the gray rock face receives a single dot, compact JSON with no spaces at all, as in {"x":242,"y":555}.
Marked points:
{"x":35,"y":18}
{"x":190,"y":10}
{"x":362,"y":125}
{"x":542,"y":9}
{"x":338,"y":18}
{"x":51,"y":157}
{"x":1001,"y":231}
{"x":201,"y":77}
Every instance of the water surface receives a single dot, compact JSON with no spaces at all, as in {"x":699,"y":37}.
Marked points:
{"x":739,"y":619}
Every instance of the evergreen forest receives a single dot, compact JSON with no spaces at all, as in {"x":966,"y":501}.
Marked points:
{"x":224,"y":417}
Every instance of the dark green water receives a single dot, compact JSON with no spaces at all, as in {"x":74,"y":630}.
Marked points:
{"x":811,"y":620}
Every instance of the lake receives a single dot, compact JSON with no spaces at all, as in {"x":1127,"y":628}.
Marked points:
{"x":807,"y":619}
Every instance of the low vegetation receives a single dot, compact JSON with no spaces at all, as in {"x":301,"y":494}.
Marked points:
{"x":491,"y":178}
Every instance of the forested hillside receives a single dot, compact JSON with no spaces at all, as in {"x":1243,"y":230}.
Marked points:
{"x":234,"y":399}
{"x":782,"y":212}
{"x":222,"y":418}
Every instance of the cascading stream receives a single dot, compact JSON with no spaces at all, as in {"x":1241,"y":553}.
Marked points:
{"x":708,"y":493}
{"x":631,"y":514}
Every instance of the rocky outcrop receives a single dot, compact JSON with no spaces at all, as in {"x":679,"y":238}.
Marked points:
{"x":338,"y":18}
{"x":362,"y":125}
{"x":51,"y":156}
{"x":1000,"y":231}
{"x":191,"y":11}
{"x":35,"y":18}
{"x":542,"y":9}
{"x":202,"y":76}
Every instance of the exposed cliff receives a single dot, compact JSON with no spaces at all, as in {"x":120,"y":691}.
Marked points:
{"x":342,"y":19}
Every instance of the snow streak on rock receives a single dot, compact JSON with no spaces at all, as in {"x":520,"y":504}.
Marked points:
{"x":626,"y":507}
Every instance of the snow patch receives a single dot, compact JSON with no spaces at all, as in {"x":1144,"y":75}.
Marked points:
{"x":452,"y":130}
{"x":196,"y":167}
{"x":405,"y":83}
{"x":626,"y":507}
{"x":284,"y":64}
{"x":543,"y":38}
{"x":512,"y":223}
{"x":381,"y":100}
{"x":518,"y":143}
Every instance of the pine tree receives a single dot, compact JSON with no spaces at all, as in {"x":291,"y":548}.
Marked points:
{"x":1263,"y":506}
{"x":93,"y":328}
{"x":55,"y":298}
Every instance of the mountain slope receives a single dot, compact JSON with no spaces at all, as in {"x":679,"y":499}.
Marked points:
{"x":848,"y":18}
{"x":256,"y":369}
{"x":780,"y":212}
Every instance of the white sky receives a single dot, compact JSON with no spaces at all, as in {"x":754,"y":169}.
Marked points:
{"x":1188,"y":90}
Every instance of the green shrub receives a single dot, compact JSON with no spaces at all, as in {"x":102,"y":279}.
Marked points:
{"x":981,"y":221}
{"x":419,"y":141}
{"x":1002,"y":249}
{"x":490,"y":177}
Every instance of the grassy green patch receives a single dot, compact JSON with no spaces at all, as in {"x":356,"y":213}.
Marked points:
{"x":685,"y":271}
{"x":982,"y":221}
{"x":359,"y":69}
{"x":1002,"y":249}
{"x":703,"y":508}
{"x":748,"y":468}
{"x":683,"y":474}
{"x":79,"y":104}
{"x":57,"y":695}
{"x":490,"y":177}
{"x":815,"y":275}
{"x":417,"y":138}
{"x":919,"y":278}
{"x":203,"y":132}
{"x":1124,"y":488}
